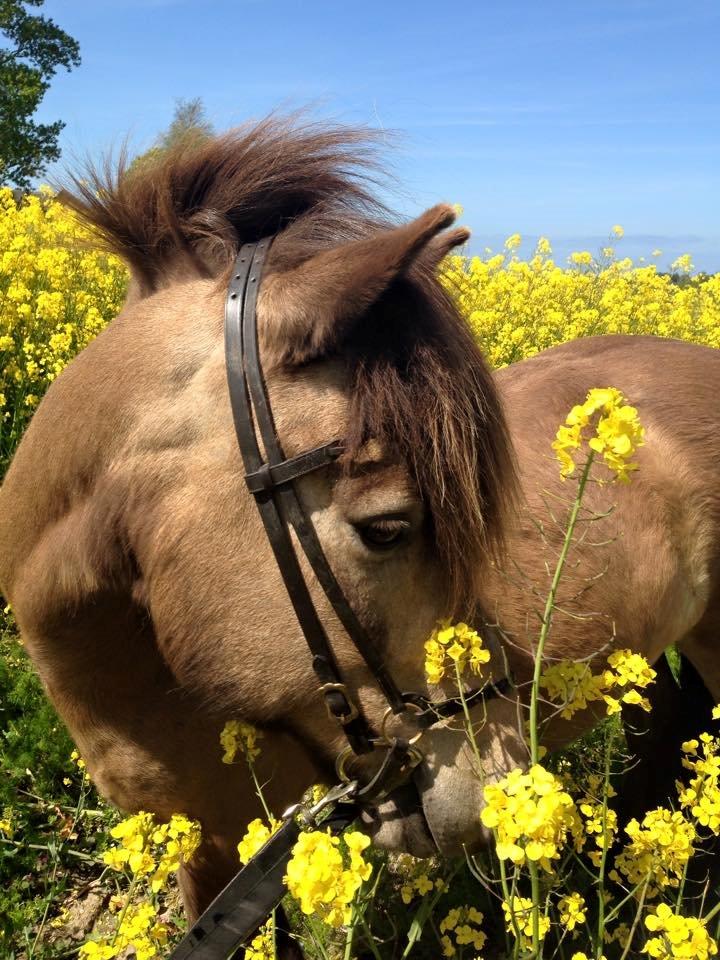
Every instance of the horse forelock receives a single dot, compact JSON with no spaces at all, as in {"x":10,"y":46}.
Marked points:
{"x":420,"y":384}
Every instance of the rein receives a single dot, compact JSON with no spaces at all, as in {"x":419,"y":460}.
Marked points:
{"x":259,"y":886}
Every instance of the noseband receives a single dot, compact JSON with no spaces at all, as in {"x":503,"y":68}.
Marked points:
{"x":270,"y":478}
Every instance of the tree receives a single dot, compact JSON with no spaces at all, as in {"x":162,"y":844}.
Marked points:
{"x":34,"y":48}
{"x":189,"y":125}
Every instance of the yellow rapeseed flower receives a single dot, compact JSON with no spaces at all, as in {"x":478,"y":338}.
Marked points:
{"x":532,"y":815}
{"x":573,"y":686}
{"x":262,"y":946}
{"x":56,"y":294}
{"x":518,"y":919}
{"x":153,"y":850}
{"x":318,"y":879}
{"x":618,"y":432}
{"x":677,"y":936}
{"x":257,"y":834}
{"x":683,"y":264}
{"x":601,"y":827}
{"x":140,"y":929}
{"x":572,"y":910}
{"x":453,"y":646}
{"x":516,"y":309}
{"x":700,"y":798}
{"x":416,"y":880}
{"x":461,"y":928}
{"x":238,"y":737}
{"x":657,"y":850}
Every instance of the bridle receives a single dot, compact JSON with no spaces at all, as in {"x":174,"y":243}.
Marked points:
{"x":271,"y":481}
{"x":258,"y":887}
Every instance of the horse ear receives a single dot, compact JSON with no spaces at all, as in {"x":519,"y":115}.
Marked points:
{"x":441,"y":245}
{"x":306,"y":311}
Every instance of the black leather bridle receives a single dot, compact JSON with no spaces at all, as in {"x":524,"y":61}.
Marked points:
{"x":271,"y":480}
{"x":258,"y":887}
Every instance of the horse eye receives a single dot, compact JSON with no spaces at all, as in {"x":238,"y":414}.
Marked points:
{"x":383,"y":533}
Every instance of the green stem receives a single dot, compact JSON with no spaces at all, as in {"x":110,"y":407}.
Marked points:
{"x":550,"y":606}
{"x":258,"y":789}
{"x":615,"y":912}
{"x":535,"y":887}
{"x":509,"y":896}
{"x":681,"y":888}
{"x":534,"y":692}
{"x":308,"y":923}
{"x":712,"y":913}
{"x":424,"y":911}
{"x":19,"y":845}
{"x":349,"y":938}
{"x":370,"y":938}
{"x":468,"y":721}
{"x":605,"y":849}
{"x":636,"y":919}
{"x":128,"y":898}
{"x":56,"y":864}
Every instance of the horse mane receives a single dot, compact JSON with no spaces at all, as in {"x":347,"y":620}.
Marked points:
{"x":192,"y":206}
{"x":417,"y":379}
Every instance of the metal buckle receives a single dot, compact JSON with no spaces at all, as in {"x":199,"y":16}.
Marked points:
{"x":343,"y":718}
{"x":308,"y":813}
{"x":378,"y":785}
{"x":390,"y":713}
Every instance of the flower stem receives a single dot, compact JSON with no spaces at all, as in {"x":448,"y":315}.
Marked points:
{"x":369,"y":934}
{"x":128,"y":899}
{"x":605,"y":849}
{"x":468,"y":721}
{"x":349,"y":937}
{"x":56,"y":863}
{"x":534,"y":692}
{"x":258,"y":790}
{"x":636,"y":919}
{"x":550,"y":606}
{"x":535,"y":888}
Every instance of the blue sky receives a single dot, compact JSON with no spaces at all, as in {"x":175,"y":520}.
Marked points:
{"x":538,"y":117}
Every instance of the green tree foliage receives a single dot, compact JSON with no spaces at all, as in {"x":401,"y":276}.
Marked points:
{"x":33,"y":48}
{"x":189,"y":125}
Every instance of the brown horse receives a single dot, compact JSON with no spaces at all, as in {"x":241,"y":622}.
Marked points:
{"x":137,"y":566}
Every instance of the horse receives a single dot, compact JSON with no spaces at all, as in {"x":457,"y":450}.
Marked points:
{"x":136,"y":563}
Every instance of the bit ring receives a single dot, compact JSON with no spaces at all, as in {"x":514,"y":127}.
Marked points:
{"x":389,"y":714}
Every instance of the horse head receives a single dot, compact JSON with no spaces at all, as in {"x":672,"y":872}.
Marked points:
{"x":145,"y":542}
